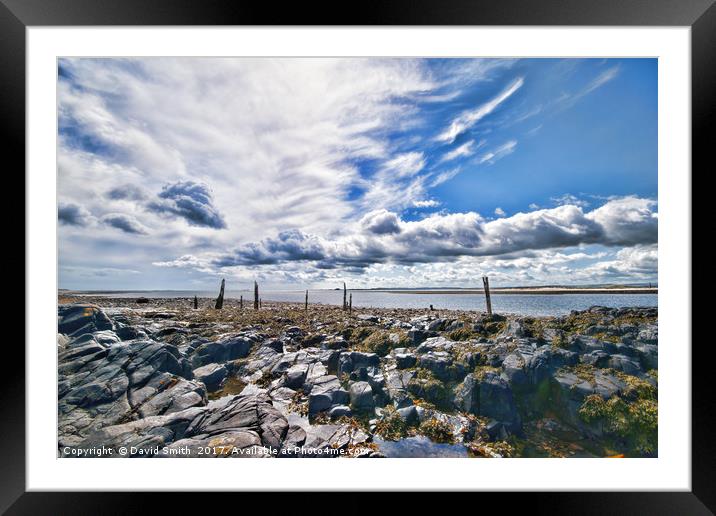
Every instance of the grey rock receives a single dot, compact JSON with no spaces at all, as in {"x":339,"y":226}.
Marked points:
{"x":76,"y":319}
{"x":212,"y":375}
{"x":624,"y":364}
{"x":404,"y":360}
{"x":337,"y":411}
{"x":352,"y":360}
{"x":361,"y":396}
{"x":223,"y":350}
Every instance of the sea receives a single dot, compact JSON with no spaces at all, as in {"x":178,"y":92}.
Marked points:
{"x":520,"y":304}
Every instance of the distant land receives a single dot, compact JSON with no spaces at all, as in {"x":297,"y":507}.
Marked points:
{"x":541,"y":289}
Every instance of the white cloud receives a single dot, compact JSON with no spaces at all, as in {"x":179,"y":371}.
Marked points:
{"x":500,"y":212}
{"x":467,"y":119}
{"x":382,"y":237}
{"x":466,"y":149}
{"x":430,"y":203}
{"x":499,"y":152}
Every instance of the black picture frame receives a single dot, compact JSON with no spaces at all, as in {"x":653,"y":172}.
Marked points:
{"x":17,"y":15}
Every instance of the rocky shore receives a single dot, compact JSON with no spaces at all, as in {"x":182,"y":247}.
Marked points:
{"x":159,"y":378}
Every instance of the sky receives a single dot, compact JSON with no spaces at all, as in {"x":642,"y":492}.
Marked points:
{"x":307,"y":172}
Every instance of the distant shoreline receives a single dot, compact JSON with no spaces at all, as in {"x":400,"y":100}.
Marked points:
{"x":534,"y":291}
{"x":475,"y":291}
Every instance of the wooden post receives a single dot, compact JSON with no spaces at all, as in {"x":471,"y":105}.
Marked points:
{"x":241,"y":302}
{"x":345,"y":303}
{"x":306,"y":300}
{"x":196,"y":303}
{"x":256,"y":296}
{"x":220,"y":299}
{"x":350,"y":304}
{"x":486,"y":284}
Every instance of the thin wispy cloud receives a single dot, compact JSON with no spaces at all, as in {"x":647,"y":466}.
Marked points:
{"x":469,"y":118}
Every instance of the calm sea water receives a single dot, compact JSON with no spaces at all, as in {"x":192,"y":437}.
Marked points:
{"x":523,"y":304}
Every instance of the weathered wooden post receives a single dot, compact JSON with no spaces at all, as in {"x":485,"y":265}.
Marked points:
{"x":220,"y":299}
{"x":196,"y":303}
{"x":241,"y":302}
{"x":345,"y":300}
{"x":306,"y":300}
{"x":256,"y":296}
{"x":486,"y":285}
{"x":350,"y":304}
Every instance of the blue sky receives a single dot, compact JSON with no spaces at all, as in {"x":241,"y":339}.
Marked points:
{"x":378,"y":172}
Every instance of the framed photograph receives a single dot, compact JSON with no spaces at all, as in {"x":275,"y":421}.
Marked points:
{"x":455,"y":243}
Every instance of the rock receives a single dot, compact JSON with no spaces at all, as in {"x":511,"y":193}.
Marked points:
{"x":409,"y":415}
{"x":596,"y":358}
{"x":352,"y":360}
{"x":440,"y":363}
{"x":166,"y":394}
{"x":436,"y":325}
{"x":273,"y":344}
{"x":253,"y":413}
{"x":436,"y":344}
{"x":230,"y":444}
{"x":361,"y":396}
{"x":338,"y":411}
{"x":514,"y":367}
{"x":100,"y":387}
{"x":62,"y":341}
{"x":212,"y":375}
{"x":335,"y":342}
{"x":417,"y":336}
{"x":488,"y":396}
{"x":223,"y":350}
{"x":319,"y":403}
{"x":648,"y":355}
{"x":649,"y":335}
{"x":624,"y":364}
{"x":145,"y":433}
{"x":295,"y":376}
{"x":325,"y":392}
{"x":405,"y":360}
{"x":125,"y":332}
{"x":295,"y":438}
{"x":78,"y":319}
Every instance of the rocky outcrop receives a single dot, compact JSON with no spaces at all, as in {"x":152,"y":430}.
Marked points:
{"x":160,"y":384}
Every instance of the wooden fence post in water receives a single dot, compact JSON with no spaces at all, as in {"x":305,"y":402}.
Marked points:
{"x":345,"y":301}
{"x":241,"y":302}
{"x":196,"y":303}
{"x":306,"y":300}
{"x":350,"y":304}
{"x":256,"y":296}
{"x":486,"y":284}
{"x":220,"y":299}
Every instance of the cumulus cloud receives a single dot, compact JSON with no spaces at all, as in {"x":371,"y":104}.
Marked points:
{"x":383,"y":237}
{"x":500,"y":212}
{"x":467,"y":119}
{"x":286,"y":247}
{"x":192,"y":202}
{"x":125,"y":223}
{"x":381,"y":222}
{"x":627,"y":221}
{"x":73,"y":215}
